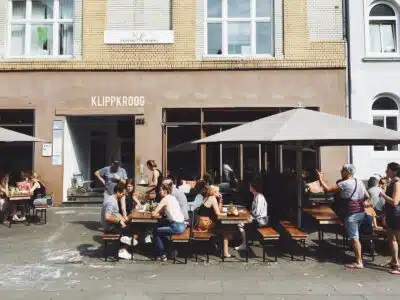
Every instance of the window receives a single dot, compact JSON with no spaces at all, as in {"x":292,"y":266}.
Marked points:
{"x":239,"y":27}
{"x":385,"y":113}
{"x":383,"y":29}
{"x":40,"y":28}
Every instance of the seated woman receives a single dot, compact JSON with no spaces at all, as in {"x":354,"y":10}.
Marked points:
{"x":168,"y":206}
{"x":7,"y":207}
{"x":200,"y":190}
{"x":25,"y":184}
{"x":38,"y":191}
{"x":259,"y":213}
{"x":130,"y":201}
{"x":208,"y":212}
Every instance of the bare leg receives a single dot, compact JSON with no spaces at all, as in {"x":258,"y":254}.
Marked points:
{"x":393,"y":236}
{"x":357,"y":251}
{"x":226,"y":246}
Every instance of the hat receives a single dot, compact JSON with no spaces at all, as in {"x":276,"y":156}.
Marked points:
{"x":116,"y":162}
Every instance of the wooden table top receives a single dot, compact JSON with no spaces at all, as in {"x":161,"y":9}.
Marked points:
{"x":319,"y":209}
{"x":17,"y":197}
{"x":243,"y":217}
{"x":323,"y":215}
{"x":143,"y":217}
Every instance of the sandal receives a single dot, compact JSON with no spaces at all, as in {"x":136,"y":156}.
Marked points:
{"x":395,"y":272}
{"x":354,"y":266}
{"x":392,"y":266}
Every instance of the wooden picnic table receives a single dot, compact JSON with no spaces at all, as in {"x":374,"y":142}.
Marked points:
{"x":19,"y":197}
{"x":143,"y":217}
{"x":243,"y":217}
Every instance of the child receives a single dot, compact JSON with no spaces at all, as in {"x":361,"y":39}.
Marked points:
{"x":370,"y":211}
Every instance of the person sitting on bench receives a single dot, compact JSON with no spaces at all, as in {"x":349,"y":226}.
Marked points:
{"x":114,"y":222}
{"x":259,"y":213}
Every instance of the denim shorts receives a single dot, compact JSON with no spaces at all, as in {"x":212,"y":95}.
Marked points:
{"x":353,"y":223}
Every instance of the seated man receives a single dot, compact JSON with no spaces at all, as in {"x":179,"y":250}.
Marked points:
{"x":114,"y":222}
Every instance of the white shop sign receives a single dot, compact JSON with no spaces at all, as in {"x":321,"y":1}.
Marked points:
{"x":139,"y":37}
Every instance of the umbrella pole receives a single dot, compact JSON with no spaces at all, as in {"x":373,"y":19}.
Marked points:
{"x":299,"y":163}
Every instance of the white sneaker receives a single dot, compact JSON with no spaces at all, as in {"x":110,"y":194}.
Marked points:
{"x":124,"y":254}
{"x":128,"y":240}
{"x":22,"y":218}
{"x":241,"y":248}
{"x":15,"y":218}
{"x":147,"y":239}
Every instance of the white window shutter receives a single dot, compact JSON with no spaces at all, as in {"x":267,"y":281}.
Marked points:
{"x":3,"y":27}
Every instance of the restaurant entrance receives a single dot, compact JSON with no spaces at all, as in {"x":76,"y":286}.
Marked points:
{"x":91,"y":143}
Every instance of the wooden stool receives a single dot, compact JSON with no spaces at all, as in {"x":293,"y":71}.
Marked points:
{"x":181,"y":238}
{"x":269,"y":234}
{"x":296,"y":235}
{"x":110,"y":238}
{"x":42,"y":210}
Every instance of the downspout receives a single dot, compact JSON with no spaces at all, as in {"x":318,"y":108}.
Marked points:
{"x":346,"y":39}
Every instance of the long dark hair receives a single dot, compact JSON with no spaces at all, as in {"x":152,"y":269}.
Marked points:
{"x":395,"y":167}
{"x":131,"y":182}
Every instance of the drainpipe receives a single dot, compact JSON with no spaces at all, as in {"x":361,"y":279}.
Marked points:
{"x":346,"y":38}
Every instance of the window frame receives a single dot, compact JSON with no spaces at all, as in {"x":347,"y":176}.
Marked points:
{"x":224,"y":20}
{"x":28,"y":22}
{"x":368,"y":19}
{"x":384,"y":114}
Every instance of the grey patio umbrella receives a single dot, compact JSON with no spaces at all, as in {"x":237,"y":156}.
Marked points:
{"x":303,"y":128}
{"x":7,"y":135}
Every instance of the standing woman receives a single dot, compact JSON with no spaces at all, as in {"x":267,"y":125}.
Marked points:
{"x":156,"y":179}
{"x":392,"y":211}
{"x":353,"y":194}
{"x":6,"y":206}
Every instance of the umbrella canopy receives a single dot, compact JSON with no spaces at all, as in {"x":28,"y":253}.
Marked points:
{"x":307,"y":127}
{"x":7,"y":135}
{"x":303,"y":128}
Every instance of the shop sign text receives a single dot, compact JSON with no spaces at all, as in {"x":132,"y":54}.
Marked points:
{"x":117,"y":101}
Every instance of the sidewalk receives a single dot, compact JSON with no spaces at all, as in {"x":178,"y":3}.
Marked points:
{"x":60,"y":260}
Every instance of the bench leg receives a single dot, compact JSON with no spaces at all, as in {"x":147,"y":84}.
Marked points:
{"x":45,"y":216}
{"x":277,"y":250}
{"x":187,"y":252}
{"x":263,"y":247}
{"x":304,"y":249}
{"x":105,"y":250}
{"x":293,"y":242}
{"x":372,"y":245}
{"x":174,"y":253}
{"x":247,"y":251}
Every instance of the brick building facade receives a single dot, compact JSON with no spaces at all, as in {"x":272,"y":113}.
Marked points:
{"x":303,"y":62}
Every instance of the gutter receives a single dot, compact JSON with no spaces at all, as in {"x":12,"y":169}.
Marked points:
{"x":346,"y":38}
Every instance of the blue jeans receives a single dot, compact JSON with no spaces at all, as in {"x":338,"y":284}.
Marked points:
{"x":160,"y":233}
{"x":353,"y":223}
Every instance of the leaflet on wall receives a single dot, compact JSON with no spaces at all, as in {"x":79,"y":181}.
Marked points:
{"x":57,"y":143}
{"x":47,"y":149}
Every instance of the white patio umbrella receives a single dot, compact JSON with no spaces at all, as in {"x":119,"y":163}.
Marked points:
{"x":303,"y":128}
{"x":7,"y":135}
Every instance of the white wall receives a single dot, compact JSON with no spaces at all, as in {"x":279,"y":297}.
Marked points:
{"x":369,"y":79}
{"x":77,"y":146}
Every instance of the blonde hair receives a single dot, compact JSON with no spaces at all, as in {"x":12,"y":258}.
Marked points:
{"x":212,"y":190}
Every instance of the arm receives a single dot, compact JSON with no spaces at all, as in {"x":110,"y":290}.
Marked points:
{"x":34,"y":187}
{"x":258,"y":210}
{"x":99,"y":174}
{"x":124,"y":177}
{"x":333,"y":188}
{"x":136,"y":200}
{"x":396,"y":195}
{"x":123,"y":207}
{"x":215,"y":205}
{"x":160,"y":206}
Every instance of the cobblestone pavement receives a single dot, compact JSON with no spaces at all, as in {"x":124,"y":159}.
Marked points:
{"x":61,"y":260}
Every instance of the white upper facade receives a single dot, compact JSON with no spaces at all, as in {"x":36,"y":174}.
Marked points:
{"x":374,"y":28}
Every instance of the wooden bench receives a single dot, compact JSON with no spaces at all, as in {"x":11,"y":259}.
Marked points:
{"x":110,"y":238}
{"x":296,"y":235}
{"x":269,"y":234}
{"x":42,"y":210}
{"x":181,"y":238}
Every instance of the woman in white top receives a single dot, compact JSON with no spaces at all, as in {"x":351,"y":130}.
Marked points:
{"x":176,"y":222}
{"x":259,"y":213}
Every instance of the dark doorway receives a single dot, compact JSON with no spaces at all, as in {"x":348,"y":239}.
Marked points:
{"x":98,"y":158}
